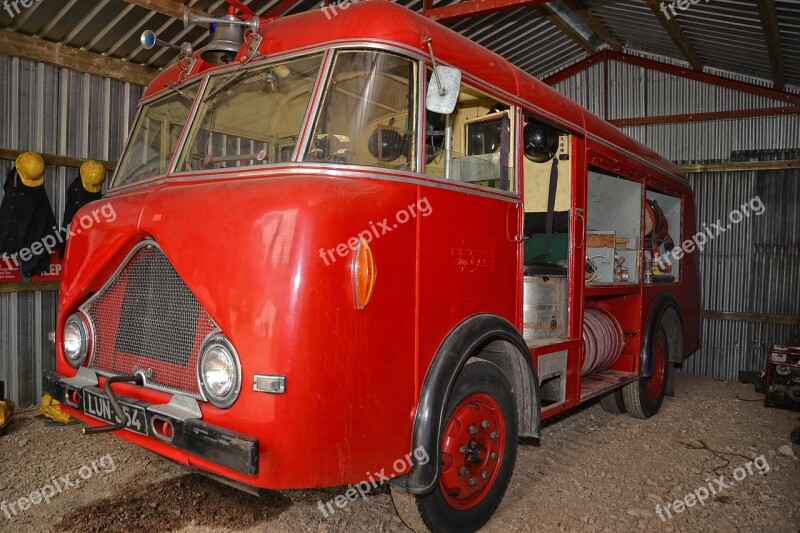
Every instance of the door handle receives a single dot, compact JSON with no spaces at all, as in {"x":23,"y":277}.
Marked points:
{"x":582,"y":233}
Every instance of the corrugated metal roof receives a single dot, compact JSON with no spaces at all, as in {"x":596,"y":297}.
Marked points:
{"x":789,"y":24}
{"x":524,"y":37}
{"x":727,"y":34}
{"x":633,"y":22}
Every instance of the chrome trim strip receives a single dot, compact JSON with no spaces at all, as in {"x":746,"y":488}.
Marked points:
{"x":180,"y":407}
{"x":178,"y":152}
{"x":342,"y":171}
{"x":309,"y":119}
{"x":84,"y":378}
{"x":152,"y":386}
{"x":422,"y":115}
{"x":125,"y":147}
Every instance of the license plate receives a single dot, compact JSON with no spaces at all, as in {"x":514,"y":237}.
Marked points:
{"x":99,"y":406}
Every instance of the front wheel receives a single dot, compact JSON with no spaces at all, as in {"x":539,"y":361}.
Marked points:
{"x":478,"y":451}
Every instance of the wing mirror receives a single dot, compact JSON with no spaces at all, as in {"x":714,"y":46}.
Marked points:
{"x":443,"y":90}
{"x":444,"y":86}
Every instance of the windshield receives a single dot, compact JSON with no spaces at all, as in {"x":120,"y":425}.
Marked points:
{"x":155,"y":137}
{"x":367,"y":116}
{"x":251,"y":116}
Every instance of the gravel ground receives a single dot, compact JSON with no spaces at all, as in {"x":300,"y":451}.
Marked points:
{"x":591,"y":471}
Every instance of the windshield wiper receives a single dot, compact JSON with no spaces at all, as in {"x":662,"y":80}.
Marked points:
{"x":175,"y":89}
{"x":233,"y":80}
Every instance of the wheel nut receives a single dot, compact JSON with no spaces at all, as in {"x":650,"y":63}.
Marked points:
{"x":485,"y":474}
{"x":473,"y":482}
{"x":485,"y":424}
{"x":493,"y":456}
{"x":494,"y":435}
{"x":463,"y":471}
{"x":473,"y":430}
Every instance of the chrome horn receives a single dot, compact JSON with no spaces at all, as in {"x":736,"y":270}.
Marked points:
{"x":228,"y":36}
{"x":149,"y":40}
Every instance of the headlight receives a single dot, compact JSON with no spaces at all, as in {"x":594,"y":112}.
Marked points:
{"x":75,"y":340}
{"x":219,"y":372}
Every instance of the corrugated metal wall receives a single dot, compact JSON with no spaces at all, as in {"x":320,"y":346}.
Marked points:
{"x":56,"y":111}
{"x":639,"y":92}
{"x":752,"y":268}
{"x":755,"y":266}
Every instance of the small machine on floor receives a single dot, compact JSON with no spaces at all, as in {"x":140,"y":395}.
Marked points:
{"x":782,"y":377}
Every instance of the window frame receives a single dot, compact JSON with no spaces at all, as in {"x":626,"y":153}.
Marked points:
{"x":139,"y":115}
{"x":322,"y":93}
{"x":513,"y":112}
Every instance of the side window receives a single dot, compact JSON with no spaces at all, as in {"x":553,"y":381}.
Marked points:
{"x":368,"y":114}
{"x":482,"y":151}
{"x":662,"y":234}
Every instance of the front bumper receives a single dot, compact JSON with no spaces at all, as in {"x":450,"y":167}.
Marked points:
{"x":226,"y":448}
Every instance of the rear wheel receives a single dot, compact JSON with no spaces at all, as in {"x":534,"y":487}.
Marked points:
{"x":613,"y":403}
{"x":643,"y":398}
{"x":479,"y":449}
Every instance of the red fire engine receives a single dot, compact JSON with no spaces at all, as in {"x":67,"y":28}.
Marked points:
{"x":346,"y":235}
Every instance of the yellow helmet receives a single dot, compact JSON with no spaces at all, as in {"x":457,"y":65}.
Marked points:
{"x":93,"y":174}
{"x":30,"y":167}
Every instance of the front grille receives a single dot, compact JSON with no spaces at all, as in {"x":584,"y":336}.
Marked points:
{"x":146,"y":321}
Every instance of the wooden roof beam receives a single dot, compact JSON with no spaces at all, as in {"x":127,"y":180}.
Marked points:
{"x":673,"y":28}
{"x":18,"y":45}
{"x":558,"y":21}
{"x":769,"y":21}
{"x":170,"y":8}
{"x":580,"y":10}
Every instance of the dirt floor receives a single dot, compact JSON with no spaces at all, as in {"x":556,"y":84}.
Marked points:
{"x":591,"y":471}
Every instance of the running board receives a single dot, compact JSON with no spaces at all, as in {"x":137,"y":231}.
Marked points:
{"x":599,"y":383}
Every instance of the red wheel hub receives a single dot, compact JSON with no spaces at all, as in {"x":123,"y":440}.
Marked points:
{"x":472,"y":451}
{"x":654,"y":382}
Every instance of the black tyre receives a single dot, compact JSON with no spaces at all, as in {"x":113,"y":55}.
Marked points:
{"x":643,"y":398}
{"x":613,"y":403}
{"x":479,"y":449}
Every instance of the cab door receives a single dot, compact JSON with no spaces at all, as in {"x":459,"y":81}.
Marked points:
{"x":469,"y":251}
